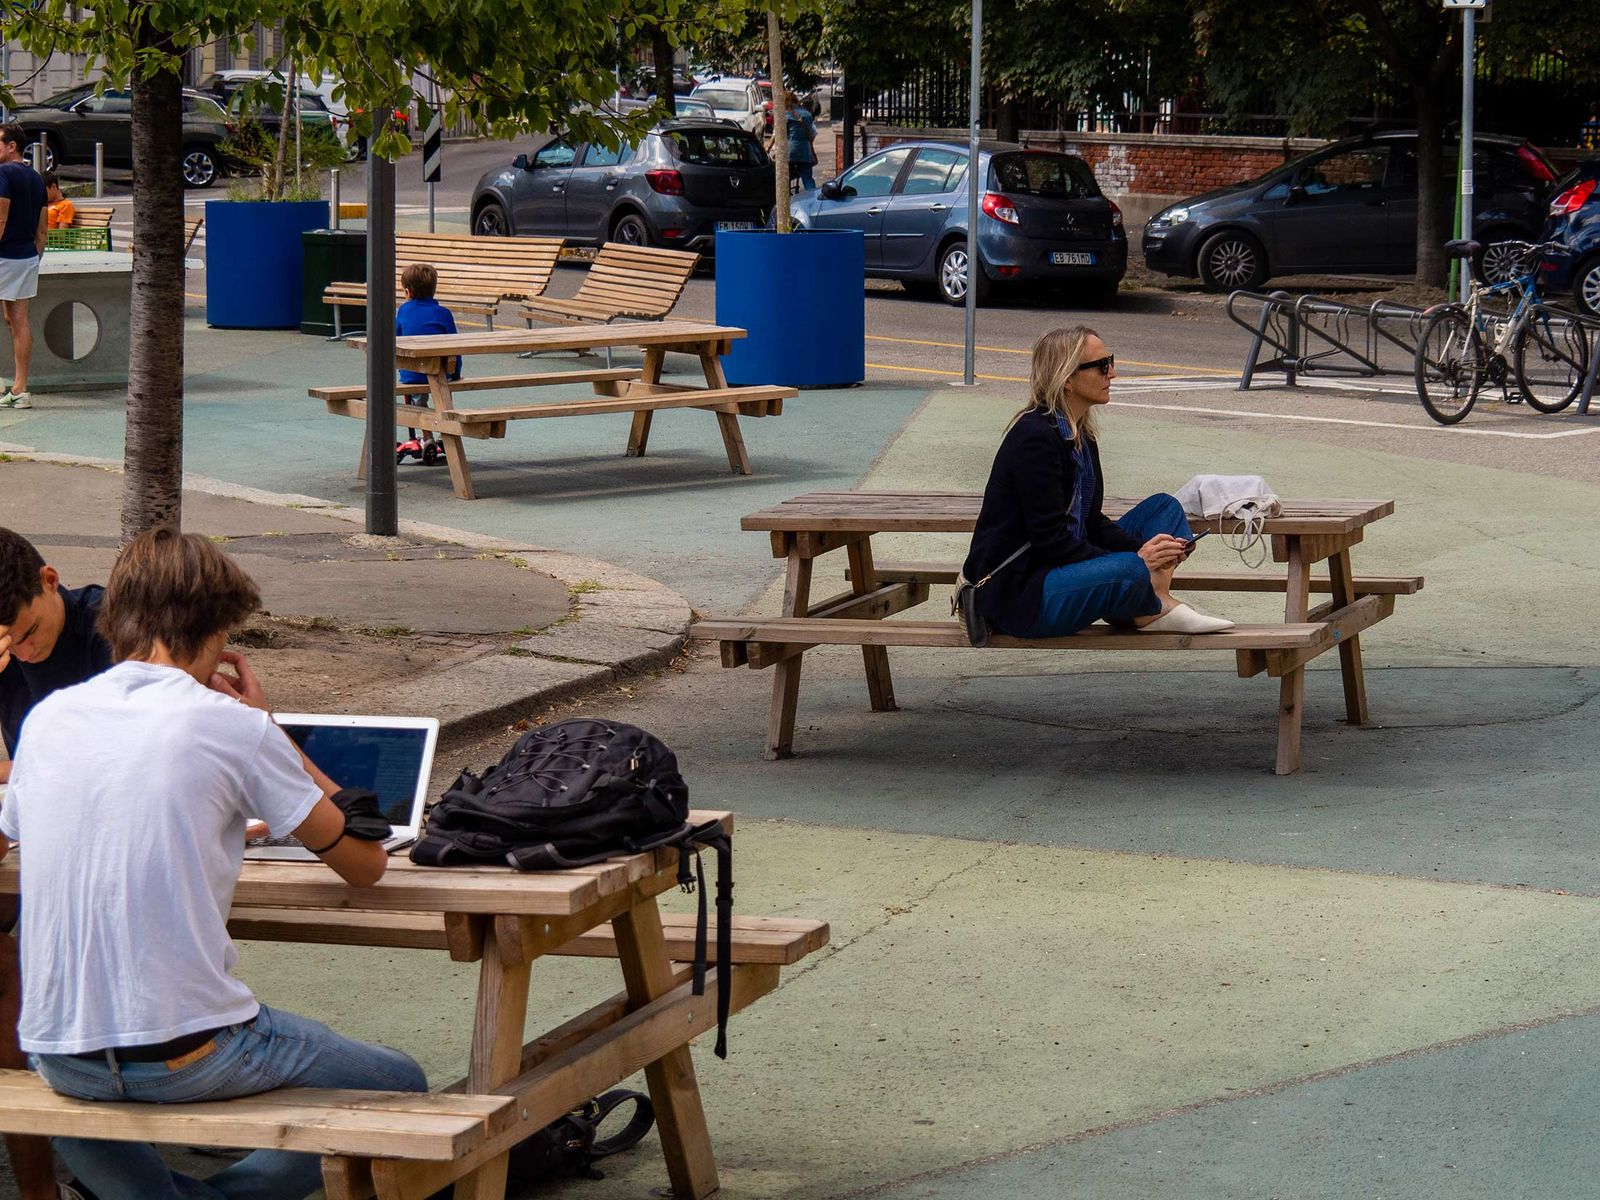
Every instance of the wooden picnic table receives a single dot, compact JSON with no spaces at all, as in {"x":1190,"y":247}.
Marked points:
{"x":503,"y":920}
{"x":640,"y":392}
{"x":809,"y":526}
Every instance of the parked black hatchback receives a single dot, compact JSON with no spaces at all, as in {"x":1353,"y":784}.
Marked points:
{"x":684,"y":181}
{"x":1349,"y":208}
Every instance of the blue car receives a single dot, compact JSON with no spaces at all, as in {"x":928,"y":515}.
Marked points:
{"x":1575,"y":223}
{"x":1042,"y":219}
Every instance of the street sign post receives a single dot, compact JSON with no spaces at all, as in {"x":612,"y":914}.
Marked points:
{"x":1469,"y":10}
{"x":433,"y":156}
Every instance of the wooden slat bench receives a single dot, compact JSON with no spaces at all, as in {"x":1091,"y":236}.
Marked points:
{"x":428,"y":1126}
{"x":475,"y":273}
{"x":92,"y":217}
{"x":639,"y":392}
{"x":803,"y":529}
{"x":634,"y":282}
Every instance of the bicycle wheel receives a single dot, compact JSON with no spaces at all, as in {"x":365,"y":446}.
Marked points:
{"x":1449,"y":366}
{"x":1551,"y":358}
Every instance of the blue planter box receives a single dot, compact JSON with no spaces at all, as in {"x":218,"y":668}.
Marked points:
{"x":816,"y":335}
{"x":253,"y":261}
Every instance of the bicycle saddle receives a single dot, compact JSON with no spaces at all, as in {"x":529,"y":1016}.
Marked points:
{"x":1461,"y":248}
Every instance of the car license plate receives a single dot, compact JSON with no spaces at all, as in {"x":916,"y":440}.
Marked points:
{"x":736,"y":225}
{"x":1072,"y":258}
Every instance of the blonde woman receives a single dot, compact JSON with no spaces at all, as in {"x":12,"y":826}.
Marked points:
{"x":1046,"y":490}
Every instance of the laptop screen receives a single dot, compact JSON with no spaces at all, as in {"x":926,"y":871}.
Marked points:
{"x":385,"y":760}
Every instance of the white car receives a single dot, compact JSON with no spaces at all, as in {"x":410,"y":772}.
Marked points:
{"x":738,"y":100}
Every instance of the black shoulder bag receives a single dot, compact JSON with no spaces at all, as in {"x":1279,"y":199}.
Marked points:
{"x":965,"y":601}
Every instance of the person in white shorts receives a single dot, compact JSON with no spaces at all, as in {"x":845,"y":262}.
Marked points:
{"x":24,"y":220}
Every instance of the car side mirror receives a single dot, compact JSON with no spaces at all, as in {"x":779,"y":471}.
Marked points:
{"x":1297,"y":193}
{"x":831,"y":190}
{"x":521,"y":163}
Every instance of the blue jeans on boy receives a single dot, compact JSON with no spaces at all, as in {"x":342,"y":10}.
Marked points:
{"x":1111,"y":587}
{"x":277,"y":1049}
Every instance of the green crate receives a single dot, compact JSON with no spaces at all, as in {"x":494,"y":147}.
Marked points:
{"x":77,"y":239}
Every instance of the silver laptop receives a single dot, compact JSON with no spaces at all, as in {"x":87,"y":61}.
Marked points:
{"x":392,"y":756}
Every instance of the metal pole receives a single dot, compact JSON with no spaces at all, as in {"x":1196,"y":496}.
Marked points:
{"x":433,"y":91}
{"x":1468,"y":26}
{"x":333,"y":191}
{"x":38,"y":156}
{"x":99,"y":169}
{"x":383,"y":516}
{"x":969,"y":377}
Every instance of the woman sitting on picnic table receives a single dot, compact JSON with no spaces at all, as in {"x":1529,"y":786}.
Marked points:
{"x":1046,"y":491}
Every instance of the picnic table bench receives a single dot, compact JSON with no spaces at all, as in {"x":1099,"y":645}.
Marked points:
{"x":475,"y":273}
{"x":640,"y":392}
{"x":805,"y":528}
{"x":406,"y":1146}
{"x":637,"y":282}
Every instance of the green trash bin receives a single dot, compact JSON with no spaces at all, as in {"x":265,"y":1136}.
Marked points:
{"x":332,"y":255}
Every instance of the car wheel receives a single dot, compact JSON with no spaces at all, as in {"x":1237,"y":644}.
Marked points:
{"x":630,"y":229}
{"x":951,"y":276}
{"x":491,"y":222}
{"x":1231,"y":261}
{"x":199,"y":167}
{"x":51,"y":153}
{"x":1586,"y":286}
{"x":1497,"y":262}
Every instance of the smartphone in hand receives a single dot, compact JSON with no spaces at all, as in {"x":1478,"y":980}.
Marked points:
{"x":1188,"y":546}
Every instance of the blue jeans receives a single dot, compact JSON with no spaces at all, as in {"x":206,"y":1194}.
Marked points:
{"x":1110,"y":587}
{"x":277,"y":1049}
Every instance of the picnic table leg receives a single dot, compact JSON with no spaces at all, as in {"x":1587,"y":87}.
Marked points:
{"x":786,"y":675}
{"x":1292,"y":687}
{"x":647,"y":974}
{"x":498,"y":1027}
{"x":639,"y":434}
{"x":361,"y":463}
{"x":863,"y":579}
{"x":727,"y":422}
{"x":455,"y":454}
{"x":1342,"y":576}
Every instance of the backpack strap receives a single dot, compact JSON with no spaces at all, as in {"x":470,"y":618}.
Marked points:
{"x":711,"y":836}
{"x":644,"y":1116}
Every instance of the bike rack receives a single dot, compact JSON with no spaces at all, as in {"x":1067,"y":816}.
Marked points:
{"x":1315,"y":335}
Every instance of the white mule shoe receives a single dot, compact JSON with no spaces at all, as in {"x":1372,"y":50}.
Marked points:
{"x":1182,"y":618}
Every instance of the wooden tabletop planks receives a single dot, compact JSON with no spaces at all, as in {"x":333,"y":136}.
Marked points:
{"x":957,"y":512}
{"x":561,"y":337}
{"x":407,"y":887}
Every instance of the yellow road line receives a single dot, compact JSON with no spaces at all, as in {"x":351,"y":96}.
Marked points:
{"x":1132,"y":362}
{"x":999,"y":378}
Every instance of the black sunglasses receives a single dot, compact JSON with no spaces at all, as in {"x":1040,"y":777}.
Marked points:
{"x":1103,"y":365}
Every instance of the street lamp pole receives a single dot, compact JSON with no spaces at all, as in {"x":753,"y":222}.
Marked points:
{"x":969,"y":377}
{"x":1469,"y":21}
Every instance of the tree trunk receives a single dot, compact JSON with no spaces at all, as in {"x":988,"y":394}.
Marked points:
{"x":780,"y":122}
{"x":280,"y":159}
{"x":152,"y":494}
{"x":661,"y":51}
{"x":1009,"y":124}
{"x":1434,"y":208}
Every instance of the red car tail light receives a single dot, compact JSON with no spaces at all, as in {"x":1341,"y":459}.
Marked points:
{"x":1574,"y":198}
{"x":998,"y":207}
{"x":1116,"y":214}
{"x":667,"y":183}
{"x":1535,"y":165}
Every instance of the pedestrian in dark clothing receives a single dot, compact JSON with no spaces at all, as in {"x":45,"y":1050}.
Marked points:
{"x":24,"y":223}
{"x":802,"y":151}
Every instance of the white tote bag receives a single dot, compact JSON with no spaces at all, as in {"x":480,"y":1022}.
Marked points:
{"x":1248,"y":499}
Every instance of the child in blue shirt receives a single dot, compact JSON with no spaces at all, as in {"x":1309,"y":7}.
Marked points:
{"x":421,"y":314}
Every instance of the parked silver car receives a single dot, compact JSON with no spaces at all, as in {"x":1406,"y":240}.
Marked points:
{"x":684,"y":181}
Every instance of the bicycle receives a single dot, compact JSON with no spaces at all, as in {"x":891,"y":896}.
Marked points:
{"x":1545,"y":350}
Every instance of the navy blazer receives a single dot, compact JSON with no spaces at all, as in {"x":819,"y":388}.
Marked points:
{"x":1026,"y":500}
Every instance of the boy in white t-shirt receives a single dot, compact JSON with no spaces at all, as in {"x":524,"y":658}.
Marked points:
{"x":130,"y":796}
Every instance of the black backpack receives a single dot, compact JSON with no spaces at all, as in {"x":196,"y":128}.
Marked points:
{"x":578,"y":792}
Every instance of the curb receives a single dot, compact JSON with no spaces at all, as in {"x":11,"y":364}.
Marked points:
{"x":621,"y":624}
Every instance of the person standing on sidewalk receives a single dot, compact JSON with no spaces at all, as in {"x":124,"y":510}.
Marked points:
{"x":132,"y":792}
{"x":802,"y":154}
{"x":24,"y":213}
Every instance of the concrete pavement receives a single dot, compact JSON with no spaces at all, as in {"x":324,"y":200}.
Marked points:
{"x":1084,"y":943}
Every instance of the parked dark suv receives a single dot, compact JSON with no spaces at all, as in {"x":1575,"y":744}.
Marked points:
{"x":1575,"y":224}
{"x":684,"y":181}
{"x":71,"y":122}
{"x":1349,"y":208}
